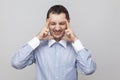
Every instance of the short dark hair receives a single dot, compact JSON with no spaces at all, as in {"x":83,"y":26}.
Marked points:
{"x":57,"y":9}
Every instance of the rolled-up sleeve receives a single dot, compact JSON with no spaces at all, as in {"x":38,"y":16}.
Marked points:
{"x":84,"y":59}
{"x":25,"y":55}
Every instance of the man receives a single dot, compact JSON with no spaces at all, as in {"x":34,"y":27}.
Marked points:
{"x":56,"y":51}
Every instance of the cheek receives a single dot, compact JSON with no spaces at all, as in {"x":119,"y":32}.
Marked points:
{"x":51,"y":28}
{"x":64,"y":28}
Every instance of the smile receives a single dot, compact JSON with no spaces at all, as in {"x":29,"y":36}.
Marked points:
{"x":57,"y":32}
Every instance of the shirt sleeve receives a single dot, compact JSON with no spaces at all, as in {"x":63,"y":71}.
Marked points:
{"x":84,"y":59}
{"x":25,"y":54}
{"x":77,"y":45}
{"x":34,"y":42}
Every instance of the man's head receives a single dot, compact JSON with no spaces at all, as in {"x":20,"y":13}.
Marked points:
{"x":58,"y":17}
{"x":58,"y":9}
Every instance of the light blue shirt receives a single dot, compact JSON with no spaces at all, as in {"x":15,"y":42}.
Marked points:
{"x":55,"y":60}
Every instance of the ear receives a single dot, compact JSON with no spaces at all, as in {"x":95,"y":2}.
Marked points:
{"x":47,"y":19}
{"x":68,"y":21}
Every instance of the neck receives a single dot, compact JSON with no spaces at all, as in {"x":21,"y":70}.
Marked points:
{"x":56,"y":39}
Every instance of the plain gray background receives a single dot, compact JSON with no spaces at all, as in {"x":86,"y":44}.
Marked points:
{"x":95,"y":22}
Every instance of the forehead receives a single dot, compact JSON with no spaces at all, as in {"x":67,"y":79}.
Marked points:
{"x":57,"y":17}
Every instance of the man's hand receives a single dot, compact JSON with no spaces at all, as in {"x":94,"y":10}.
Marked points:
{"x":69,"y":35}
{"x":44,"y":34}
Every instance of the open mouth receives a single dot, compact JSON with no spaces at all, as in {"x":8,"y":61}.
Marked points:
{"x":57,"y":32}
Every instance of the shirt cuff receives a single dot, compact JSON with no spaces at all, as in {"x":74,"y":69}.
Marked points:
{"x":77,"y":45}
{"x":34,"y":42}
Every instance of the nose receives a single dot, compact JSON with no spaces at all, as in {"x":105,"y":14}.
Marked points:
{"x":57,"y":27}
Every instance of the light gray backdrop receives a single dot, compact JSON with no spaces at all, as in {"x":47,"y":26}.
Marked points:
{"x":95,"y":22}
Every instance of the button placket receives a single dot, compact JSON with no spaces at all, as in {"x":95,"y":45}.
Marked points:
{"x":57,"y":61}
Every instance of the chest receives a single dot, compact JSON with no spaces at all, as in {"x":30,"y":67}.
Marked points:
{"x":56,"y":55}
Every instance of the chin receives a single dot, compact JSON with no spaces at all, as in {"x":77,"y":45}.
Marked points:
{"x":58,"y":37}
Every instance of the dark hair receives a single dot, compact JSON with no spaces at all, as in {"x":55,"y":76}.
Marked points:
{"x":57,"y":9}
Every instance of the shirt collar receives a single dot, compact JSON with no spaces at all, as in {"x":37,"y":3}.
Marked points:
{"x":62,"y":42}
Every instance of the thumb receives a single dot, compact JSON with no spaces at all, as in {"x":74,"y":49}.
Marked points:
{"x":64,"y":38}
{"x":50,"y":37}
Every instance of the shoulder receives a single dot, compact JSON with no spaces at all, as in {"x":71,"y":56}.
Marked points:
{"x":43,"y":43}
{"x":69,"y":45}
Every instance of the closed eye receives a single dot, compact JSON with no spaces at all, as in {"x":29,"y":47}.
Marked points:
{"x":53,"y":23}
{"x":62,"y":23}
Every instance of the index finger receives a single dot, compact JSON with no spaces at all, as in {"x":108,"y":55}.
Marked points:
{"x":47,"y":23}
{"x":67,"y":24}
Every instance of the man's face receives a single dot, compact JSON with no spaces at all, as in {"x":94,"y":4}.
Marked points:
{"x":57,"y":25}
